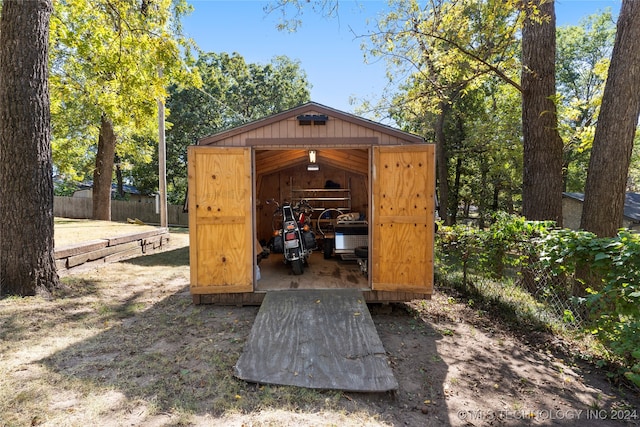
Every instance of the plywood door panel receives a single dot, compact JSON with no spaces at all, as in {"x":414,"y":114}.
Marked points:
{"x":403,"y":183}
{"x":220,"y":220}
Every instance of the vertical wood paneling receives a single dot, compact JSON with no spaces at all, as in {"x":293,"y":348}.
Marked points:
{"x":220,"y":217}
{"x":290,"y":129}
{"x":269,"y":189}
{"x":403,"y":218}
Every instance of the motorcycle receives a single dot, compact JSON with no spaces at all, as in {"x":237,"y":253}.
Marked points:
{"x":293,"y":236}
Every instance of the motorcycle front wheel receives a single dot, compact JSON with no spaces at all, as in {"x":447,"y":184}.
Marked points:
{"x":297,"y":267}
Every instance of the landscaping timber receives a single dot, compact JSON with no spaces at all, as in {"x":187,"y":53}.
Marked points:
{"x":102,"y":251}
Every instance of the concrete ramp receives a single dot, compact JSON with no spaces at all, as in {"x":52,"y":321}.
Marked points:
{"x":321,"y":339}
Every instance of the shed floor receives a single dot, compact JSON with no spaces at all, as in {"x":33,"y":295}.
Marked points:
{"x":319,"y":273}
{"x":321,"y":339}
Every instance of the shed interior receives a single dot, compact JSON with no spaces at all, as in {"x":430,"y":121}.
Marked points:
{"x":341,"y":182}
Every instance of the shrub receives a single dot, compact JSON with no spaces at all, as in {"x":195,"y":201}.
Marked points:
{"x":603,"y":272}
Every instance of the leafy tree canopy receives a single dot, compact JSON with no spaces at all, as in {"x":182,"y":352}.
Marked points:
{"x":233,"y":92}
{"x":106,"y":57}
{"x":446,"y":48}
{"x":582,"y":63}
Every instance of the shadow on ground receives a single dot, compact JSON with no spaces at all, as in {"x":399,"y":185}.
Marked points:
{"x":170,"y":258}
{"x":174,"y":359}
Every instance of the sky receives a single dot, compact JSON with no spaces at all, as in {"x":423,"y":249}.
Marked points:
{"x":328,"y":49}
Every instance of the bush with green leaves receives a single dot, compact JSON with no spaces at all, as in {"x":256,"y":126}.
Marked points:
{"x":505,"y":243}
{"x":609,"y":271}
{"x":602,"y":272}
{"x":508,"y":240}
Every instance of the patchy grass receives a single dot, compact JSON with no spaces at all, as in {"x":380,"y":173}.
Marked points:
{"x":69,"y":231}
{"x":124,"y":345}
{"x":506,"y":302}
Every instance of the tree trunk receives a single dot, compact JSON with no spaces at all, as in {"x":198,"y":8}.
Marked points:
{"x":496,"y":196}
{"x":613,"y":142}
{"x":102,"y":175}
{"x":484,"y":193}
{"x":509,"y":200}
{"x":27,"y":265}
{"x":542,"y":159}
{"x":442,"y":164}
{"x":455,"y":199}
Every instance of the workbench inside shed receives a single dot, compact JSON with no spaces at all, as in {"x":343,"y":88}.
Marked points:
{"x":282,"y":175}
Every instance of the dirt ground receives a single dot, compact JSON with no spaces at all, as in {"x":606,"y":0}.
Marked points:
{"x":125,"y":346}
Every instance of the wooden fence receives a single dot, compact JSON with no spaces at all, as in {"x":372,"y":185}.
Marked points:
{"x":81,"y":207}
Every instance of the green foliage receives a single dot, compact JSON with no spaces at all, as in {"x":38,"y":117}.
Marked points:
{"x":233,"y":92}
{"x":492,"y":152}
{"x":105,"y":62}
{"x":634,"y":168}
{"x":447,"y":48}
{"x":603,"y":272}
{"x":582,"y":62}
{"x":457,"y":245}
{"x":459,"y":58}
{"x":505,"y":243}
{"x":613,"y":286}
{"x":64,"y":188}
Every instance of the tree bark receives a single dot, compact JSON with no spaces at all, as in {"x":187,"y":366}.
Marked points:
{"x":542,"y":158}
{"x":103,"y":173}
{"x":603,"y":206}
{"x":27,"y":265}
{"x":484,"y":193}
{"x":442,"y":164}
{"x":455,"y":197}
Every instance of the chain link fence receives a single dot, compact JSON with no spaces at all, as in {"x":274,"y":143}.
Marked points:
{"x":556,"y":294}
{"x":554,"y":278}
{"x":527,"y":285}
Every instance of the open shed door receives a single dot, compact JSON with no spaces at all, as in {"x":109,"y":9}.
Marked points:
{"x":403,"y":209}
{"x":220,"y":220}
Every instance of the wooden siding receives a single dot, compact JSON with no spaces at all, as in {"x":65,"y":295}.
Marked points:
{"x":403,"y":218}
{"x":340,"y":130}
{"x":220,"y":217}
{"x":334,"y":132}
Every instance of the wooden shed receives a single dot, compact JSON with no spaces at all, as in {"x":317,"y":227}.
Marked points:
{"x":386,"y":177}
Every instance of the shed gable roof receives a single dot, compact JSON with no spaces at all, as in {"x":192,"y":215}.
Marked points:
{"x":311,"y":109}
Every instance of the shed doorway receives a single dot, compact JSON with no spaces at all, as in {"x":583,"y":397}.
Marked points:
{"x":337,"y":182}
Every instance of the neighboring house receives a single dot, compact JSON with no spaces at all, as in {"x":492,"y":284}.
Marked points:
{"x":132,"y":193}
{"x":572,"y":210}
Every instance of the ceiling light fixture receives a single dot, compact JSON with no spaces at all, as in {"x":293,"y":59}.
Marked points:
{"x":312,"y":166}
